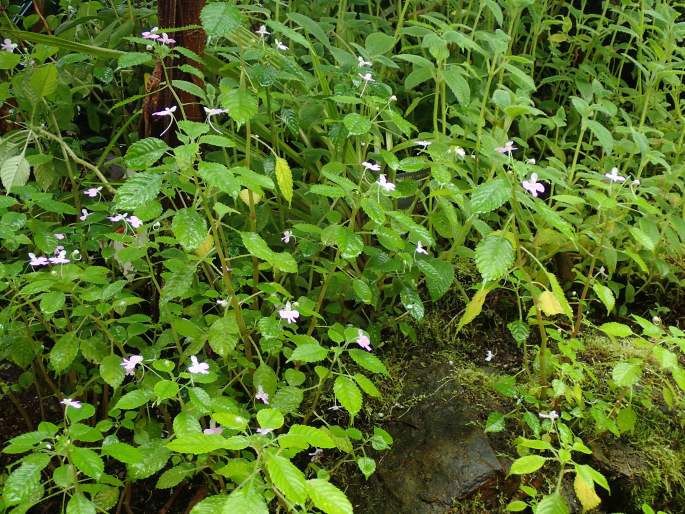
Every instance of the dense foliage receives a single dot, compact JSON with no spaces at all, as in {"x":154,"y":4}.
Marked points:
{"x":207,"y":298}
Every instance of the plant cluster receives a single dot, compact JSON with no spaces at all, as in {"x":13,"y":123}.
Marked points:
{"x":206,"y":297}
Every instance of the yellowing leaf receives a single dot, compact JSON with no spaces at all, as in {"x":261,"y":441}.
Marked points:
{"x":549,"y":304}
{"x":284,"y":177}
{"x":245,"y":197}
{"x":474,"y":308}
{"x":205,"y":247}
{"x":586,"y":493}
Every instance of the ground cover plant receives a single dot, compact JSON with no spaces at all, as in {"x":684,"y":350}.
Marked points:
{"x":214,"y":218}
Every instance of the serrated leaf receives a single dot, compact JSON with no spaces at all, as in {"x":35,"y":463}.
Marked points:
{"x":367,"y":385}
{"x":411,"y":301}
{"x":256,"y":246}
{"x":458,"y":84}
{"x":308,"y":352}
{"x":626,"y":374}
{"x":220,"y":18}
{"x":495,"y":422}
{"x":328,"y":498}
{"x":490,"y":195}
{"x":144,"y":153}
{"x":137,"y":191}
{"x":174,"y":476}
{"x":287,"y":478}
{"x":348,"y":394}
{"x":552,"y":504}
{"x":356,"y":124}
{"x":111,"y":371}
{"x":606,"y":140}
{"x":284,"y":178}
{"x":560,"y":295}
{"x":473,"y":308}
{"x":44,"y":80}
{"x":616,"y":329}
{"x":219,"y":176}
{"x":606,"y":295}
{"x":64,"y":352}
{"x":367,"y":466}
{"x":368,"y":361}
{"x":641,"y":237}
{"x":527,"y":464}
{"x":439,"y":276}
{"x":133,"y":399}
{"x":549,"y":304}
{"x":189,"y":228}
{"x":133,"y":59}
{"x":87,"y":461}
{"x":15,"y":172}
{"x":244,"y":501}
{"x":123,"y":452}
{"x":197,"y":444}
{"x":240,"y":104}
{"x":494,"y":257}
{"x":52,"y":302}
{"x":79,"y":504}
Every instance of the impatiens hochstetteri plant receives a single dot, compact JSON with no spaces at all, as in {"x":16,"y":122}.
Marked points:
{"x":207,"y":301}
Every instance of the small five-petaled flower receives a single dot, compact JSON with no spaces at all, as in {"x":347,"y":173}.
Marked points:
{"x":130,"y":364}
{"x":287,"y":236}
{"x":262,"y":395}
{"x":507,"y":148}
{"x":8,"y":46}
{"x":371,"y":166}
{"x":280,"y":45}
{"x":68,"y":402}
{"x":200,"y":368}
{"x":421,"y":249}
{"x":551,"y":416}
{"x":384,"y":184}
{"x":362,"y":63}
{"x":213,"y":429}
{"x":167,"y":111}
{"x":533,"y":186}
{"x":489,"y":356}
{"x":261,"y":31}
{"x":151,"y":34}
{"x":84,"y":215}
{"x":366,"y":77}
{"x":93,"y":191}
{"x":288,"y":313}
{"x":364,"y":341}
{"x":614,"y":176}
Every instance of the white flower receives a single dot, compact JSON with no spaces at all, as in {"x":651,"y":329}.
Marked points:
{"x":68,"y":402}
{"x":214,"y":111}
{"x":315,"y":455}
{"x":459,"y":151}
{"x":424,"y":144}
{"x":507,"y":148}
{"x":371,"y":166}
{"x":280,"y":45}
{"x":614,"y":176}
{"x":289,"y":314}
{"x":134,"y":221}
{"x":117,"y":217}
{"x":8,"y":46}
{"x":38,"y":261}
{"x":635,"y":183}
{"x":84,"y":215}
{"x":287,"y":236}
{"x":366,"y":77}
{"x":262,"y":395}
{"x":551,"y":416}
{"x":393,"y":98}
{"x":421,"y":249}
{"x":489,"y":356}
{"x":261,"y":31}
{"x":384,"y":184}
{"x":222,"y":303}
{"x":264,"y":431}
{"x":362,"y":62}
{"x":60,"y":258}
{"x":213,"y":429}
{"x":130,"y":364}
{"x":59,"y":236}
{"x":166,"y":40}
{"x":533,"y":186}
{"x":167,"y":111}
{"x":151,"y":34}
{"x":200,"y":368}
{"x":531,"y":161}
{"x":364,"y":341}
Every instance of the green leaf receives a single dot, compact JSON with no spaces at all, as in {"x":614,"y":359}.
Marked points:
{"x":197,"y":444}
{"x":64,"y":352}
{"x":241,"y":105}
{"x":130,"y":59}
{"x":270,"y":418}
{"x":606,"y":140}
{"x":379,"y":43}
{"x":195,"y":90}
{"x":44,"y":80}
{"x":373,"y":210}
{"x":458,"y":84}
{"x":345,"y":239}
{"x":357,"y":124}
{"x":137,"y":191}
{"x":309,"y":352}
{"x":79,"y":504}
{"x":87,"y":461}
{"x":244,"y":501}
{"x":368,"y":361}
{"x":362,"y":291}
{"x":639,"y":236}
{"x":616,"y":329}
{"x":123,"y":452}
{"x":284,"y":178}
{"x":219,"y":176}
{"x":605,"y":295}
{"x":626,"y":374}
{"x":23,"y":485}
{"x":220,"y":19}
{"x":527,"y":464}
{"x":495,"y":423}
{"x":348,"y":394}
{"x":411,"y":301}
{"x":52,"y":302}
{"x":165,"y":389}
{"x":439,"y":276}
{"x":9,"y":60}
{"x":174,"y":476}
{"x":133,"y":399}
{"x":144,"y":153}
{"x":367,"y":385}
{"x":552,"y":504}
{"x":517,"y":506}
{"x":490,"y":195}
{"x":189,"y":228}
{"x":287,"y":478}
{"x":256,"y":246}
{"x":15,"y":172}
{"x":111,"y":371}
{"x":328,"y":498}
{"x":494,"y":257}
{"x":223,"y":335}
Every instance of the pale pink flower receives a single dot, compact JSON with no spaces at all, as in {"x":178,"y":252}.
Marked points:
{"x":280,"y":45}
{"x":614,"y":176}
{"x":366,"y":77}
{"x":362,"y":63}
{"x":287,"y":236}
{"x":364,"y":341}
{"x":151,"y":34}
{"x":60,"y":258}
{"x":166,"y":40}
{"x":421,"y":249}
{"x":262,"y":395}
{"x":213,"y":111}
{"x":533,"y":186}
{"x":507,"y":148}
{"x":84,"y":215}
{"x":371,"y":166}
{"x":117,"y":217}
{"x":213,"y":429}
{"x":134,"y":221}
{"x":68,"y":402}
{"x":288,"y":313}
{"x":261,"y":31}
{"x":167,"y":111}
{"x":8,"y":46}
{"x":130,"y":364}
{"x":38,"y":261}
{"x":59,"y":236}
{"x":93,"y":191}
{"x":384,"y":184}
{"x":200,"y":368}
